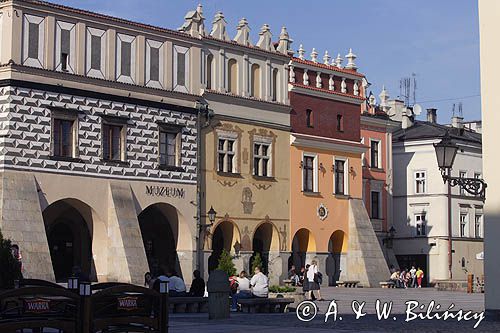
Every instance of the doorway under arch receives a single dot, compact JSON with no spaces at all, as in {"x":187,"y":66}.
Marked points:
{"x":68,"y":225}
{"x":224,"y":237}
{"x":265,"y":240}
{"x":336,"y":246}
{"x":159,"y":224}
{"x":303,"y":243}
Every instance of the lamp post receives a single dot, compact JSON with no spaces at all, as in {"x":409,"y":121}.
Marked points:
{"x":446,"y":151}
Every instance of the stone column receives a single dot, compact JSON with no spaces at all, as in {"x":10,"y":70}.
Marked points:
{"x":275,"y":267}
{"x":242,"y":261}
{"x":187,"y":263}
{"x":321,"y":258}
{"x":204,"y":269}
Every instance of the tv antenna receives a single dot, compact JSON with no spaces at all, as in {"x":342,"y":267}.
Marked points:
{"x":408,"y":89}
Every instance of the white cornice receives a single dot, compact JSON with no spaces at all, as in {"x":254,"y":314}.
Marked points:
{"x":311,"y":141}
{"x":316,"y":93}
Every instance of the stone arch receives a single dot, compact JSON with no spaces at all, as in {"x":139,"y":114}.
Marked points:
{"x":265,"y":240}
{"x":225,"y":236}
{"x":303,"y":247}
{"x":74,"y":232}
{"x":165,"y":233}
{"x":337,"y":245}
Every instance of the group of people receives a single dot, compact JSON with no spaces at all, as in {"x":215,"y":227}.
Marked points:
{"x":242,"y":287}
{"x":310,"y":278}
{"x":407,"y":278}
{"x":176,"y":285}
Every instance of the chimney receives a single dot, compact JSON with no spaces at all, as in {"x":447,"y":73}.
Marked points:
{"x":432,"y":115}
{"x":407,"y":119}
{"x":457,"y":122}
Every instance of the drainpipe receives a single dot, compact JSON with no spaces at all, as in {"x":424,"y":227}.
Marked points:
{"x":204,"y":114}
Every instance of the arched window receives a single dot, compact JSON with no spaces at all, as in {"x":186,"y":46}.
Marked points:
{"x":232,"y":76}
{"x":309,"y":118}
{"x":255,"y":81}
{"x":210,"y":61}
{"x":274,"y":85}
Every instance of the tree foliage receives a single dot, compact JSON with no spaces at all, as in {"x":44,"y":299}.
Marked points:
{"x":9,"y":267}
{"x":257,"y":262}
{"x":226,"y":263}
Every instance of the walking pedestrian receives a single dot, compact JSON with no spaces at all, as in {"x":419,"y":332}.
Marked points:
{"x":413,"y":275}
{"x":420,"y":276}
{"x":314,"y":279}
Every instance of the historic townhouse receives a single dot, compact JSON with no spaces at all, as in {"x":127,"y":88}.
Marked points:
{"x":421,"y":199}
{"x":98,"y":142}
{"x":376,"y":133}
{"x":328,"y":219}
{"x":245,"y":169}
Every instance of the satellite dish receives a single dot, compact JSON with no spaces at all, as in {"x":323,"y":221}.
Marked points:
{"x":417,"y":109}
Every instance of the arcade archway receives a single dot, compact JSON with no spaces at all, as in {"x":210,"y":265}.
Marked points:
{"x":303,"y":243}
{"x":225,"y":236}
{"x":265,"y":240}
{"x":69,"y":227}
{"x":159,"y":225}
{"x":336,"y":246}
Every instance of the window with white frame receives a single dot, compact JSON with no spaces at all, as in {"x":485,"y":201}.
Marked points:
{"x":114,"y":138}
{"x":125,"y":58}
{"x":340,"y":168}
{"x":462,"y":174}
{"x":478,"y":225}
{"x":154,"y":64}
{"x":309,"y":173}
{"x":65,"y":58}
{"x":375,"y":160}
{"x":420,"y":224}
{"x":33,"y":40}
{"x":375,"y":205}
{"x":64,"y":134}
{"x":420,"y":182}
{"x":181,"y":68}
{"x":169,"y":146}
{"x":464,"y":232}
{"x":226,"y":155}
{"x":262,"y":159}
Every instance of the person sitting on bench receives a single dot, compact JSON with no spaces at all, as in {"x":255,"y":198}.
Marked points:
{"x":259,"y":283}
{"x":176,"y":286}
{"x":242,"y":292}
{"x":198,"y":285}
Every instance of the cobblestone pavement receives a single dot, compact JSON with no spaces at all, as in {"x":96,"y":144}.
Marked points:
{"x":288,"y":322}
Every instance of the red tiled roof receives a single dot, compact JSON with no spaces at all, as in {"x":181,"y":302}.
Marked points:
{"x":327,"y":91}
{"x":328,"y":67}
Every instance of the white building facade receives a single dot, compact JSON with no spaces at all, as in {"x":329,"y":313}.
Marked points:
{"x":421,"y":201}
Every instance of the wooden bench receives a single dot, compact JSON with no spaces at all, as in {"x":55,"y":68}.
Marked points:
{"x":265,"y":305}
{"x":348,"y":284}
{"x":188,"y":304}
{"x":387,"y":284}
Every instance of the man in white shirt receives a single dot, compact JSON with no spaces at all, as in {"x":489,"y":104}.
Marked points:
{"x":259,"y":283}
{"x":176,"y":286}
{"x":244,"y":290}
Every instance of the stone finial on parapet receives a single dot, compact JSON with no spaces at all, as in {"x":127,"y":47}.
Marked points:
{"x":265,"y":39}
{"x":338,"y":61}
{"x":356,"y":88}
{"x":331,"y":83}
{"x":372,"y":100}
{"x":301,"y":52}
{"x":326,"y":58}
{"x":350,"y":60}
{"x":219,"y":27}
{"x":343,"y":86}
{"x":243,"y":33}
{"x":314,"y":56}
{"x":285,"y":43}
{"x":194,"y":23}
{"x":384,"y":98}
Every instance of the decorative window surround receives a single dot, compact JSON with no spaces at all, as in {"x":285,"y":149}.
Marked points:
{"x":420,"y":182}
{"x":63,"y":29}
{"x":315,"y":187}
{"x":154,"y":78}
{"x":346,"y":174}
{"x":263,"y":143}
{"x":33,"y":40}
{"x":420,"y":225}
{"x":58,"y":118}
{"x":93,"y":33}
{"x":375,"y":154}
{"x":181,"y":73}
{"x":125,"y":62}
{"x":227,"y":153}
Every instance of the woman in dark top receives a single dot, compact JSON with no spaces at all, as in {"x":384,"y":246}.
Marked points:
{"x":197,"y":286}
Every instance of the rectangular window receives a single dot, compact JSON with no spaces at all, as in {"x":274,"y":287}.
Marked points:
{"x":33,"y":40}
{"x":309,"y":118}
{"x":375,"y":205}
{"x":154,"y":74}
{"x":463,"y":225}
{"x":126,"y":57}
{"x":339,"y":177}
{"x":169,"y":148}
{"x":308,"y":174}
{"x":420,"y":182}
{"x":261,"y":159}
{"x":112,"y":142}
{"x":478,"y":226}
{"x":63,"y":137}
{"x":420,"y":225}
{"x":340,"y":123}
{"x":374,"y":154}
{"x":226,"y":155}
{"x":95,"y":50}
{"x":181,"y":69}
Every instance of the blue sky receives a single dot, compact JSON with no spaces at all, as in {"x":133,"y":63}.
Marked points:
{"x":436,"y":40}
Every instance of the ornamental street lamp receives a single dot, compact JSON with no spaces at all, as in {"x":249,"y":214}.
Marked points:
{"x":211,"y":215}
{"x":446,"y":151}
